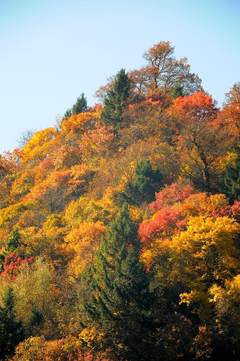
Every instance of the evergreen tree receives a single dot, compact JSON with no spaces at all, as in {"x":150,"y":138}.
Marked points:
{"x":116,"y":98}
{"x":67,"y":114}
{"x":13,"y":241}
{"x":232,"y":181}
{"x":143,"y":186}
{"x":80,"y":106}
{"x":11,"y":330}
{"x":120,"y":302}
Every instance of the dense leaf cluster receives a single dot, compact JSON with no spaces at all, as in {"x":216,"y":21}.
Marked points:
{"x":119,"y":230}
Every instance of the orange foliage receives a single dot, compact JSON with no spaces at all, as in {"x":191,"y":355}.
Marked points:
{"x":80,"y":122}
{"x":199,"y":106}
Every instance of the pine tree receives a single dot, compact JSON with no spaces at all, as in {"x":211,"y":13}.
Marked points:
{"x":80,"y":106}
{"x":11,"y":330}
{"x":67,"y":114}
{"x":13,"y":241}
{"x":116,"y":99}
{"x":121,"y":302}
{"x":232,"y":181}
{"x":145,"y":183}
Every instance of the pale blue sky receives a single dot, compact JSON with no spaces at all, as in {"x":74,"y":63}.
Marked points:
{"x":53,"y":50}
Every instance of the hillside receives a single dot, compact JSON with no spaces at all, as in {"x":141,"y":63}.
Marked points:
{"x":119,"y":227}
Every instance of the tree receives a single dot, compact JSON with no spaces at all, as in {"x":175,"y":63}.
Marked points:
{"x":116,"y":98}
{"x":79,"y":107}
{"x":25,"y":137}
{"x":229,"y":118}
{"x":120,"y":302}
{"x":143,"y":186}
{"x":13,"y":242}
{"x":164,"y":73}
{"x":232,"y":181}
{"x":233,"y":96}
{"x":11,"y":330}
{"x":198,"y":143}
{"x":68,"y":113}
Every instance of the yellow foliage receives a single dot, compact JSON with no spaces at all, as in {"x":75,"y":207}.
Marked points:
{"x":39,"y":349}
{"x":187,"y":297}
{"x":136,"y":213}
{"x":39,"y":145}
{"x":227,"y":159}
{"x":203,"y":232}
{"x":9,"y":215}
{"x":203,"y":204}
{"x":90,"y":210}
{"x":84,"y":240}
{"x":147,"y":257}
{"x":91,"y":337}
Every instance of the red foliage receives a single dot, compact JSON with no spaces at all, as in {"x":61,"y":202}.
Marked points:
{"x":13,"y":264}
{"x":170,"y":195}
{"x":164,"y":221}
{"x":228,"y":211}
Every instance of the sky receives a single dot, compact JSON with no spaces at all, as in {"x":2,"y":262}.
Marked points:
{"x":53,"y":50}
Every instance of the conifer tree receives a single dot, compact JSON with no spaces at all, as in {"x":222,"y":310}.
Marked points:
{"x":68,"y":113}
{"x":116,"y":99}
{"x":11,"y":330}
{"x":232,"y":181}
{"x":13,"y":241}
{"x":79,"y":107}
{"x":145,"y":183}
{"x":120,"y":302}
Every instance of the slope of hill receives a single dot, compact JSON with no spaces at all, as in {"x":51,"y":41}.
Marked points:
{"x":120,"y":226}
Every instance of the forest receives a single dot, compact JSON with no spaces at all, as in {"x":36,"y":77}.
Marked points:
{"x":120,"y":225}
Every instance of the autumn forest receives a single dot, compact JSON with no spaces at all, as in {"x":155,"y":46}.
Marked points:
{"x":120,"y":225}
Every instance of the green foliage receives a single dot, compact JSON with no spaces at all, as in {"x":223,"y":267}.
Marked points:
{"x":121,"y":302}
{"x":34,"y":297}
{"x":13,"y":241}
{"x":84,"y":286}
{"x":12,"y":244}
{"x":144,"y":185}
{"x":79,"y":107}
{"x":11,"y":330}
{"x":177,"y":91}
{"x":67,"y":114}
{"x":232,"y":181}
{"x":116,"y":99}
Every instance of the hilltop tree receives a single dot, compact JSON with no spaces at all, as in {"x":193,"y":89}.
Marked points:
{"x":164,"y":73}
{"x":79,"y":107}
{"x":116,"y":98}
{"x":120,"y":293}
